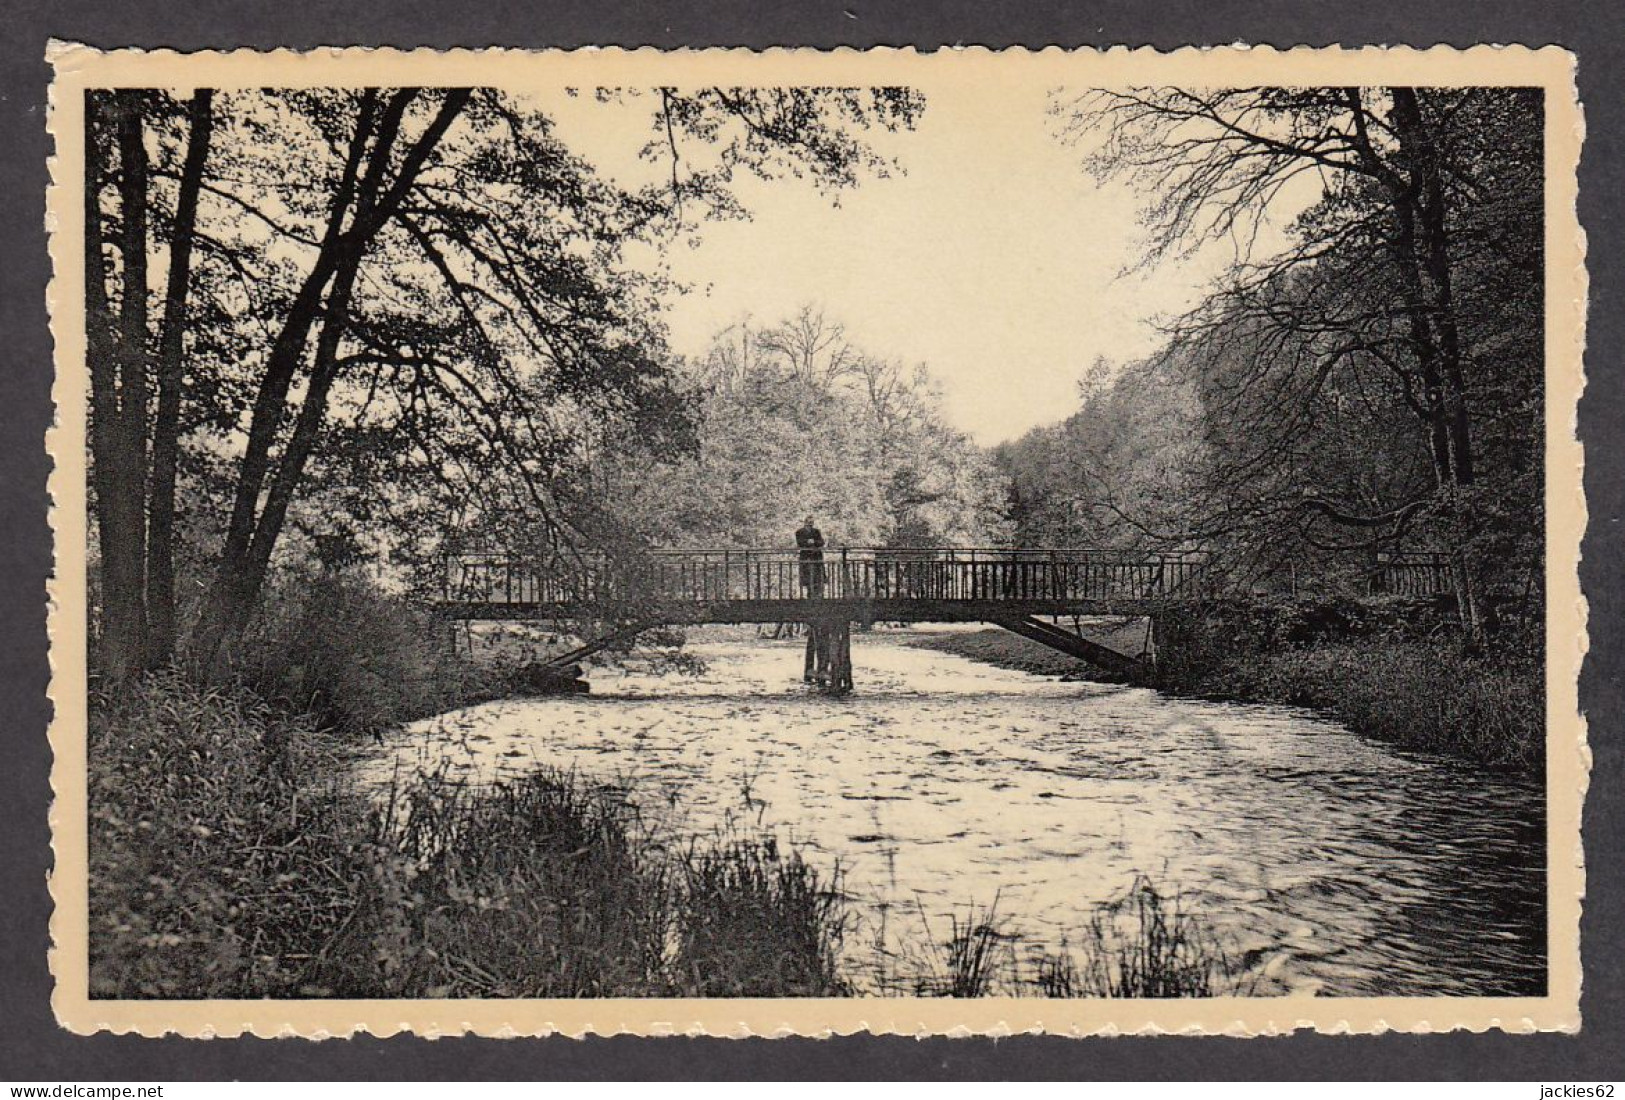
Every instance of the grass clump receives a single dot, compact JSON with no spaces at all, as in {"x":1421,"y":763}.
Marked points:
{"x":1140,"y":945}
{"x":756,"y":923}
{"x":977,"y":959}
{"x":533,"y":888}
{"x":214,"y":867}
{"x":974,"y":955}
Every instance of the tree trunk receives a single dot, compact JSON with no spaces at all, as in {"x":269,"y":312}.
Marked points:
{"x":1428,"y":279}
{"x":253,"y":532}
{"x":232,"y":595}
{"x":171,"y":380}
{"x":1432,"y":260}
{"x":120,"y":398}
{"x":307,"y":429}
{"x":288,"y":349}
{"x":101,"y":352}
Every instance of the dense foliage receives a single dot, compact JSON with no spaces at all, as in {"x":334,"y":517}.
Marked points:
{"x":226,"y":862}
{"x":1371,"y":386}
{"x":793,"y":420}
{"x":377,"y":308}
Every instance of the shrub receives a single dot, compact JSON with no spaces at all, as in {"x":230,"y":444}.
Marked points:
{"x":757,"y":923}
{"x":1197,"y":641}
{"x":354,"y":658}
{"x":209,"y":874}
{"x":1420,"y":695}
{"x":1391,"y":669}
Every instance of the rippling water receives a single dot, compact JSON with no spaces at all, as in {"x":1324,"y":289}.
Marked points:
{"x":1325,"y":862}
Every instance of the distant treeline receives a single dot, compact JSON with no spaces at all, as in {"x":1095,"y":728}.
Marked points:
{"x":791,"y":420}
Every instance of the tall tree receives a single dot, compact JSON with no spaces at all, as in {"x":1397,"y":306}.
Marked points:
{"x":811,"y":348}
{"x":368,"y":196}
{"x":116,"y":343}
{"x":170,"y":376}
{"x":866,"y":449}
{"x":1400,"y":172}
{"x":399,"y":289}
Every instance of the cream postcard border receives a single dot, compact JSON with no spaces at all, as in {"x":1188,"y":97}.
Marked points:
{"x":1568,"y":759}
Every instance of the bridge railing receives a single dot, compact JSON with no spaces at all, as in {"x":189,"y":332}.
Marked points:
{"x":1412,"y":574}
{"x":862,"y":573}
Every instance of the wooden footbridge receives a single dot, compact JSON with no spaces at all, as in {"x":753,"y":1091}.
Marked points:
{"x":1013,"y":588}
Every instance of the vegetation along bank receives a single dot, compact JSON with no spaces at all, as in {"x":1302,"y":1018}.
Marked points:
{"x":1392,"y":670}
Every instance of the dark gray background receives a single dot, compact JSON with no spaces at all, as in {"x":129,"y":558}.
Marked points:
{"x":31,"y":1045}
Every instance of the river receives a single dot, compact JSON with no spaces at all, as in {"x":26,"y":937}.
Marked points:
{"x":1324,"y":862}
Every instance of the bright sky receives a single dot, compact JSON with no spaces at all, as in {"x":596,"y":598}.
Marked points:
{"x":995,"y":260}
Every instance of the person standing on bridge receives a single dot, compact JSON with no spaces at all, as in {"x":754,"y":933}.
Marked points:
{"x":810,"y":543}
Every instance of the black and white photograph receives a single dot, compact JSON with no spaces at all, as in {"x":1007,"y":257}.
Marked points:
{"x":863,"y":537}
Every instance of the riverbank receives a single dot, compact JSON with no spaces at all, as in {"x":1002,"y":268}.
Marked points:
{"x":236,"y":851}
{"x":232,"y":855}
{"x":1416,"y":694}
{"x":943,"y":783}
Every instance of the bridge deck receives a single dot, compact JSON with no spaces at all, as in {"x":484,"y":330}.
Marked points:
{"x":753,"y":586}
{"x":677,"y":613}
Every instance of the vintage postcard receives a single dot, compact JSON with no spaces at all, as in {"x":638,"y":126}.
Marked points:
{"x":734,"y":543}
